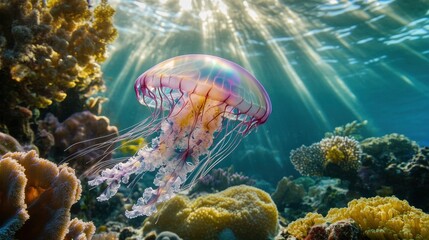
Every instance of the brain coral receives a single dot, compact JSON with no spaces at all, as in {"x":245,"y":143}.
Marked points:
{"x":246,"y":211}
{"x":378,"y":217}
{"x":47,"y":47}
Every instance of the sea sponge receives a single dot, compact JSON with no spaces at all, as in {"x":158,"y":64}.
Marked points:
{"x":246,"y":211}
{"x":50,"y":191}
{"x":377,"y":217}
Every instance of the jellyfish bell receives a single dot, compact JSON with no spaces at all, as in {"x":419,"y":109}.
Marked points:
{"x":201,"y":107}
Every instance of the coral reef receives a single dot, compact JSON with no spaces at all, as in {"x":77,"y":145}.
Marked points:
{"x":47,"y":48}
{"x":377,"y":217}
{"x":55,"y":44}
{"x":220,"y":179}
{"x":335,"y":156}
{"x":347,"y":229}
{"x":395,"y":165}
{"x":295,"y":197}
{"x":40,"y":196}
{"x":78,"y":132}
{"x":288,"y":194}
{"x":391,"y":148}
{"x":247,"y":211}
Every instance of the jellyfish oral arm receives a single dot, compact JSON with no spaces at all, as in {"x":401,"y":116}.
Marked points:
{"x":202,"y":106}
{"x":186,"y":134}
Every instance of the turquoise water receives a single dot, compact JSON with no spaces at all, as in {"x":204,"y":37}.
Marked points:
{"x":323,"y":63}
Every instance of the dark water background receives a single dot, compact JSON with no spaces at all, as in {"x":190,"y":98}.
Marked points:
{"x":323,"y":63}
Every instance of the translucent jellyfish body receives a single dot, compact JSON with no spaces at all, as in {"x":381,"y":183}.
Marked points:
{"x":202,"y":106}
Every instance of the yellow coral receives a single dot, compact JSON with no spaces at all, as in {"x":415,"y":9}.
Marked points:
{"x":378,"y":217}
{"x":52,"y":46}
{"x":246,"y":211}
{"x":342,"y":151}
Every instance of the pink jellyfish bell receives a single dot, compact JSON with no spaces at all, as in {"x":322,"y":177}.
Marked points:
{"x":202,"y":106}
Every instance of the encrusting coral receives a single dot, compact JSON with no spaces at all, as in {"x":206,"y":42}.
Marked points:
{"x":36,"y":197}
{"x":377,"y":217}
{"x":47,"y":48}
{"x":246,"y":211}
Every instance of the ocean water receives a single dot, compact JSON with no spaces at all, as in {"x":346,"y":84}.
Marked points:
{"x":324,"y":63}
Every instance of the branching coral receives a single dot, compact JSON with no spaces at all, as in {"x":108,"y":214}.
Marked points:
{"x":36,"y":197}
{"x":48,"y":48}
{"x":247,"y":211}
{"x":378,"y":217}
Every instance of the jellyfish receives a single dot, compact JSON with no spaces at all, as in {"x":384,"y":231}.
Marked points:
{"x":201,"y":108}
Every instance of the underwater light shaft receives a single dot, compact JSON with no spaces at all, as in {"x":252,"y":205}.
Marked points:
{"x":202,"y":106}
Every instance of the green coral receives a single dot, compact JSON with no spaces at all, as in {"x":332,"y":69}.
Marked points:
{"x":48,"y":47}
{"x":246,"y":211}
{"x":378,"y":217}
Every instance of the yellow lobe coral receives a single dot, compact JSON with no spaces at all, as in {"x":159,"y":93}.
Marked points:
{"x":247,"y":212}
{"x":378,"y":217}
